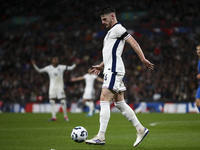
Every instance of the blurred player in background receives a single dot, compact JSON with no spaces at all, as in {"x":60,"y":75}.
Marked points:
{"x":198,"y":77}
{"x":89,"y":91}
{"x":114,"y":71}
{"x":56,"y":87}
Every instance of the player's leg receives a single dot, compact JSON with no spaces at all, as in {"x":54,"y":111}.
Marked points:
{"x":53,"y":109}
{"x":63,"y":102}
{"x":198,"y":99}
{"x":62,"y":97}
{"x":52,"y":98}
{"x":198,"y":103}
{"x":90,"y":105}
{"x":87,"y":98}
{"x":128,"y":113}
{"x":106,"y":97}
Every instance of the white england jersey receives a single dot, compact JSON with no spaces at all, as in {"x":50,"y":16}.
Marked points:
{"x":89,"y":80}
{"x":89,"y":86}
{"x":114,"y":42}
{"x":55,"y":74}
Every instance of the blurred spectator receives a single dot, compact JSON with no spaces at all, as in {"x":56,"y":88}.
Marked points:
{"x":167,"y":31}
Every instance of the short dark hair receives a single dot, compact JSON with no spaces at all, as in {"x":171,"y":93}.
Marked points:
{"x":106,"y":10}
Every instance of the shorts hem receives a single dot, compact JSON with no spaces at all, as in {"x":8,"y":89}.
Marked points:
{"x":118,"y":91}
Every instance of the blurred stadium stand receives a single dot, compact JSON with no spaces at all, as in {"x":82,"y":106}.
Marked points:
{"x":167,"y":31}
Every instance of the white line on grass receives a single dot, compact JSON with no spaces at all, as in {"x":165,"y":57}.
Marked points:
{"x":3,"y":129}
{"x":171,"y":122}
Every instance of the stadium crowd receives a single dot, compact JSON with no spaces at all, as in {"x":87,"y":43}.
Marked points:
{"x":167,"y":31}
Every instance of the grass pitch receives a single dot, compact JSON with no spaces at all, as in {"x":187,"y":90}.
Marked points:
{"x":33,"y":132}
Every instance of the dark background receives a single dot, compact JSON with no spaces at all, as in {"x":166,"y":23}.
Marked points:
{"x":167,"y":31}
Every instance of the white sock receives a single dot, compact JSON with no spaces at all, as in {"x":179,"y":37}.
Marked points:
{"x":104,"y":118}
{"x":53,"y":110}
{"x":90,"y":104}
{"x":128,"y":113}
{"x":64,"y":107}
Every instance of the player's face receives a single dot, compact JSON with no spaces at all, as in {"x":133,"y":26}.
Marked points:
{"x":90,"y":70}
{"x":55,"y":61}
{"x":106,"y":20}
{"x":198,"y":51}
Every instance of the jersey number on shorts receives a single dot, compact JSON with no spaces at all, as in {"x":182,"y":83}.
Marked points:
{"x":105,"y":78}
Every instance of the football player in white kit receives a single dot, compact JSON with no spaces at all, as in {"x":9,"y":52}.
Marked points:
{"x":114,"y":71}
{"x":56,"y":87}
{"x":89,"y":91}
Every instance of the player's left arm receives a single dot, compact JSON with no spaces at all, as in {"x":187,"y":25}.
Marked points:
{"x":77,"y":78}
{"x":134,"y":44}
{"x":198,"y":76}
{"x":99,"y":79}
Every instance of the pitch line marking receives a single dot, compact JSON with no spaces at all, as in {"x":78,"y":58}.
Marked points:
{"x":170,"y":122}
{"x":4,"y":129}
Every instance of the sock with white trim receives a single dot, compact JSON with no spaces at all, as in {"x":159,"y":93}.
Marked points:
{"x":90,"y":105}
{"x":64,"y":107}
{"x":104,"y":118}
{"x":53,"y":110}
{"x":129,"y":114}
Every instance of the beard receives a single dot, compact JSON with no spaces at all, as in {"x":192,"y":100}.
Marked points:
{"x":108,"y":25}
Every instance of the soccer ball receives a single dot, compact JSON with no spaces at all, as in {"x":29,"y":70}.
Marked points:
{"x":79,"y":134}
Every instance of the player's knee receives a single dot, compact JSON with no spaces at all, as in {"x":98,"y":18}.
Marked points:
{"x":103,"y":98}
{"x":52,"y":102}
{"x":198,"y":102}
{"x":63,"y":102}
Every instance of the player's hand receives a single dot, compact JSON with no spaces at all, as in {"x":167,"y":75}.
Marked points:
{"x":198,"y":76}
{"x":77,"y":61}
{"x":33,"y":62}
{"x":97,"y":69}
{"x":72,"y":79}
{"x":149,"y":65}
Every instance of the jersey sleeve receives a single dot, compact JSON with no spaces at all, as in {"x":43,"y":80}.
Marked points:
{"x":64,"y":67}
{"x":40,"y":70}
{"x":121,"y":33}
{"x":85,"y":76}
{"x":71,"y":67}
{"x":94,"y":76}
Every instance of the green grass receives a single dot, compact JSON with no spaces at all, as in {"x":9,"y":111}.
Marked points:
{"x":32,"y":132}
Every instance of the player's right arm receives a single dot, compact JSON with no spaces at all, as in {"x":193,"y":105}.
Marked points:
{"x":77,"y":78}
{"x":36,"y":67}
{"x":97,"y":68}
{"x":77,"y":61}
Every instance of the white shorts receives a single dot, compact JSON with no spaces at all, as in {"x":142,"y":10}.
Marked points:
{"x":113,"y":81}
{"x":89,"y":94}
{"x":56,"y":93}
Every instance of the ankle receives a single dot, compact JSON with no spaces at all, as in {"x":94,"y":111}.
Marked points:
{"x":101,"y":134}
{"x":140,"y":128}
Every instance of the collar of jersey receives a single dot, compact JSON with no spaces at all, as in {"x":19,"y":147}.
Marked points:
{"x":115,"y":24}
